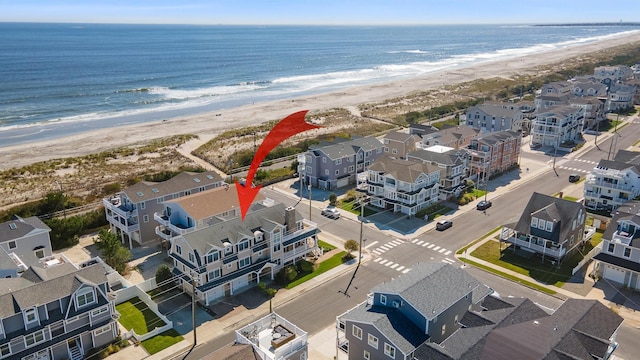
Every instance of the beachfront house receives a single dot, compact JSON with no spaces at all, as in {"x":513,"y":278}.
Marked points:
{"x":612,"y":74}
{"x":549,"y":227}
{"x":198,"y":211}
{"x":269,"y":337}
{"x":335,"y":165}
{"x":23,"y":242}
{"x":398,"y":144}
{"x":588,"y":87}
{"x":619,"y":256}
{"x":130,"y":212}
{"x":613,"y":182}
{"x":437,"y":311}
{"x":493,"y":154}
{"x":593,"y":111}
{"x":57,"y":311}
{"x":494,"y":117}
{"x":453,"y":168}
{"x":456,"y":137}
{"x":404,"y":186}
{"x":621,"y":97}
{"x":229,"y":255}
{"x":557,"y":126}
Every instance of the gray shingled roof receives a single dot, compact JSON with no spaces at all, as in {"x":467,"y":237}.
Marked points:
{"x":629,"y":157}
{"x":450,"y":158}
{"x":348,"y":148}
{"x":181,"y":182}
{"x":428,"y":287}
{"x":398,"y":136}
{"x":18,"y":227}
{"x":496,"y":110}
{"x":405,"y":335}
{"x":498,"y":136}
{"x":43,"y":291}
{"x":264,"y":218}
{"x":403,"y":170}
{"x":561,"y":210}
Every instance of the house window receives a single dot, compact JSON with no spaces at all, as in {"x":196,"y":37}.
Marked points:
{"x":30,"y":315}
{"x":97,"y":312}
{"x":212,"y":257}
{"x":549,"y":226}
{"x":611,"y":248}
{"x":541,"y":224}
{"x":192,"y":258}
{"x":228,"y":250}
{"x":12,"y":244}
{"x":39,"y":253}
{"x":383,"y":299}
{"x":627,"y":252}
{"x":372,"y":341}
{"x":444,"y":329}
{"x":243,"y":246}
{"x":5,"y":350}
{"x":324,"y":160}
{"x":84,"y":297}
{"x":326,"y":172}
{"x":143,"y":205}
{"x":337,"y":172}
{"x":367,"y":355}
{"x":34,"y":338}
{"x":394,"y":151}
{"x":339,"y":161}
{"x":276,"y":240}
{"x":213,"y":274}
{"x":390,"y":351}
{"x":244,"y":262}
{"x":351,"y":168}
{"x":145,"y":218}
{"x":357,"y":332}
{"x":102,"y":330}
{"x":178,"y":249}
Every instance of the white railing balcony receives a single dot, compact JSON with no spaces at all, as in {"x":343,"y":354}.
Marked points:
{"x":161,"y":218}
{"x":622,"y":237}
{"x":163,"y":232}
{"x":608,"y":185}
{"x":548,"y":251}
{"x":179,"y":229}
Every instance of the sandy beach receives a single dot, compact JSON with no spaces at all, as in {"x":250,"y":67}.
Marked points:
{"x":208,"y":124}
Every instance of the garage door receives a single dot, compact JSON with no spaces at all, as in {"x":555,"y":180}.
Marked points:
{"x":614,"y":274}
{"x":343,"y":182}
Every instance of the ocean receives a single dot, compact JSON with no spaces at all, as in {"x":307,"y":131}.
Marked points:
{"x":60,"y":79}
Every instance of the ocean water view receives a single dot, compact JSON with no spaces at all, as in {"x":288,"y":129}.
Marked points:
{"x":59,"y":79}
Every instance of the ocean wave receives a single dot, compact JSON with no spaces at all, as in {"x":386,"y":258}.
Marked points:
{"x":177,"y":94}
{"x":407,"y":52}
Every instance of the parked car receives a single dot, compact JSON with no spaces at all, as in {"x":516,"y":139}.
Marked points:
{"x":483,"y":205}
{"x":443,"y":225}
{"x":331,"y":212}
{"x":574,"y":178}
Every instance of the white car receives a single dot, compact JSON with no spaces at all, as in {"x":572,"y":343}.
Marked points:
{"x":331,"y":212}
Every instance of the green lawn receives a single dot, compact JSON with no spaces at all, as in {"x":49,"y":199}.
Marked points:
{"x":354,"y":207}
{"x":326,"y":246}
{"x":324,"y":266}
{"x":162,"y":341}
{"x":136,"y":315}
{"x":512,"y":278}
{"x":544,"y":272}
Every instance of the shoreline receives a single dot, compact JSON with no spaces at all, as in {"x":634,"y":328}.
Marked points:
{"x":210,"y":123}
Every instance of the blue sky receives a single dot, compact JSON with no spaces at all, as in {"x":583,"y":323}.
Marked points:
{"x":347,"y":12}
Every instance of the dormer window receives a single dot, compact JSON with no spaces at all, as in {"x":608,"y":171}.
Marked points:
{"x":12,"y":244}
{"x":383,"y":299}
{"x":534,"y":222}
{"x":549,"y":227}
{"x":30,"y":316}
{"x":85,"y":297}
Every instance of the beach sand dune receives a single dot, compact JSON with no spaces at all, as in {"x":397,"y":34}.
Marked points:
{"x":215,"y":122}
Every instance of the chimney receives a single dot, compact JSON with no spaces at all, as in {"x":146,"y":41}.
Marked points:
{"x":290,"y":218}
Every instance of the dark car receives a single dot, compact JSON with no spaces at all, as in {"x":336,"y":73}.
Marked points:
{"x":483,"y":205}
{"x":574,"y":178}
{"x":443,"y":225}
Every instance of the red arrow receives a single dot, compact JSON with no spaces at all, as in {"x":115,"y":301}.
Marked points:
{"x":287,"y":127}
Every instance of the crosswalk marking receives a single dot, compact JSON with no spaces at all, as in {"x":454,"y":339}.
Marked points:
{"x":385,"y":247}
{"x":448,"y":261}
{"x":400,"y":268}
{"x":430,"y":246}
{"x":442,"y":250}
{"x":377,"y":259}
{"x":447,"y":253}
{"x":406,"y":271}
{"x":394,"y":266}
{"x":420,"y":242}
{"x":377,"y":252}
{"x":389,"y":263}
{"x":383,"y":262}
{"x":414,"y":241}
{"x":425,"y":244}
{"x":371,"y":244}
{"x":436,"y":248}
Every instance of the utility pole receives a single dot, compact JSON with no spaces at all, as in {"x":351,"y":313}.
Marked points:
{"x":309,"y":202}
{"x":361,"y":229}
{"x":193,"y":307}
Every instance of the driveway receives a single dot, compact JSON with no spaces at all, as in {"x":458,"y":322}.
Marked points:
{"x":176,"y":306}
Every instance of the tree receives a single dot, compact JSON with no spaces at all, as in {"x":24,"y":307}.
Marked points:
{"x":351,"y":246}
{"x":163,"y":274}
{"x":114,"y":254}
{"x":333,"y":198}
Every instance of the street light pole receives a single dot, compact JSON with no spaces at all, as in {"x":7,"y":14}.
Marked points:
{"x":193,"y":308}
{"x":309,"y":202}
{"x":361,"y":230}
